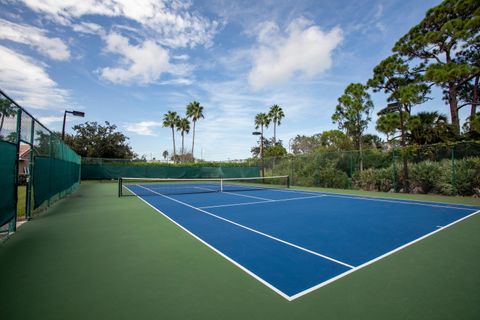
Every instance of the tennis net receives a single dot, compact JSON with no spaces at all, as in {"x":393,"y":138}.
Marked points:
{"x":160,"y":186}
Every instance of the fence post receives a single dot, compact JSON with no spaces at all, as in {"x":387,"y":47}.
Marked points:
{"x":291,"y":170}
{"x":351,"y":170}
{"x":12,"y":227}
{"x":28,"y":211}
{"x":394,"y":171}
{"x":453,"y":177}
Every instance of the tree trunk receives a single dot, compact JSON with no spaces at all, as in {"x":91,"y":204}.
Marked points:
{"x":1,"y":123}
{"x":183,"y":139}
{"x":406,"y":184}
{"x":174,"y":151}
{"x":193,"y":140}
{"x":360,"y":146}
{"x":274,"y":132}
{"x":473,"y":111}
{"x":452,"y":100}
{"x":261,"y":143}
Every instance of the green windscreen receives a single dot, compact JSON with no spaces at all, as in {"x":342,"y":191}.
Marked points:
{"x":53,"y":177}
{"x":56,"y":167}
{"x":8,"y":154}
{"x":114,"y":171}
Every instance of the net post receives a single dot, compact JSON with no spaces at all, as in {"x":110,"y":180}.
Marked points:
{"x":221,"y":185}
{"x":119,"y":187}
{"x":288,"y":181}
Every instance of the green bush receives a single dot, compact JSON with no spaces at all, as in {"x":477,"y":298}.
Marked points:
{"x":328,"y":176}
{"x":467,"y":176}
{"x":424,"y":175}
{"x":375,"y":179}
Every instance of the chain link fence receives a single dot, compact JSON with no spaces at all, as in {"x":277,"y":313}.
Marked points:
{"x":36,"y":166}
{"x":448,"y":169}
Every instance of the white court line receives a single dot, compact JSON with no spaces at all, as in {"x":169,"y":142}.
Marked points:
{"x":298,"y":295}
{"x":368,"y":198}
{"x":313,"y":288}
{"x":259,"y":202}
{"x":258,"y":278}
{"x":244,"y":195}
{"x":254,"y":230}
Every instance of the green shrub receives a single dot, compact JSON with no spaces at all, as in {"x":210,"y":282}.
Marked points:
{"x":424,"y":175}
{"x":463,"y":180}
{"x":329,"y":177}
{"x":467,"y":176}
{"x":375,"y":179}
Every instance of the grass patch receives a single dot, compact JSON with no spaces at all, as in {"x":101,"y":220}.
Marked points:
{"x":21,"y":201}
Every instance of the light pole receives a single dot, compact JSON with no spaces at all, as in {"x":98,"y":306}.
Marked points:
{"x":74,"y":113}
{"x":257,"y":133}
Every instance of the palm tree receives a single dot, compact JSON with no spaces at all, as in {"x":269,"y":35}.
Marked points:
{"x":428,"y":127}
{"x":165,"y":154}
{"x":276,"y":115}
{"x":170,"y":120}
{"x":262,"y":120}
{"x":183,"y":126}
{"x":195,"y":112}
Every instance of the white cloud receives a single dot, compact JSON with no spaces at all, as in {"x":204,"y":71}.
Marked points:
{"x":47,"y":120}
{"x":28,"y":82}
{"x":305,"y":49}
{"x":143,"y":63}
{"x":88,"y":27}
{"x":170,"y":21}
{"x":53,"y":48}
{"x":143,"y":128}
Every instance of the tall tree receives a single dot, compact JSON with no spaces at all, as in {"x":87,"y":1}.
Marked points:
{"x":405,"y":88}
{"x":262,"y":120}
{"x":183,"y":125}
{"x":429,"y":128}
{"x":194,"y":112}
{"x":302,"y":144}
{"x":389,"y":124}
{"x":437,"y":41}
{"x":92,"y":139}
{"x":335,"y":140}
{"x":352,"y":113}
{"x":6,"y":110}
{"x":276,"y":115}
{"x":170,"y":120}
{"x":165,"y":154}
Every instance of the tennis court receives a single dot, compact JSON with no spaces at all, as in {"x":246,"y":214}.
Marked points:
{"x":293,"y":241}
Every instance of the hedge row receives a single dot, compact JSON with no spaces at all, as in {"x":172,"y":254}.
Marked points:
{"x":462,"y":177}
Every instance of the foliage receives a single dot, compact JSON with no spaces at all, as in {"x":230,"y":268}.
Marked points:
{"x":328,"y":176}
{"x":194,"y":112}
{"x":183,"y":125}
{"x":101,"y":141}
{"x":375,"y":179}
{"x":276,"y":115}
{"x":170,"y":120}
{"x":302,"y":144}
{"x":7,"y":110}
{"x":439,"y":41}
{"x":276,"y":150}
{"x":424,"y":175}
{"x":352,"y":113}
{"x":429,"y":128}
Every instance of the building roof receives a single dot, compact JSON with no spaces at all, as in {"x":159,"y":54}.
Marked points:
{"x":24,"y":150}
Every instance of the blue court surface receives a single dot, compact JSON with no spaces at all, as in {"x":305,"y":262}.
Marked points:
{"x":295,"y":241}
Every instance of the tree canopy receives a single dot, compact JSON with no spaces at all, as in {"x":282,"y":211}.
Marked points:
{"x":92,"y":139}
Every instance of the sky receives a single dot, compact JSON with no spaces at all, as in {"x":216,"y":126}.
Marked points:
{"x":129,"y":62}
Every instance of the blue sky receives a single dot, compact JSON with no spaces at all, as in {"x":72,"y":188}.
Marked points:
{"x":129,"y":62}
